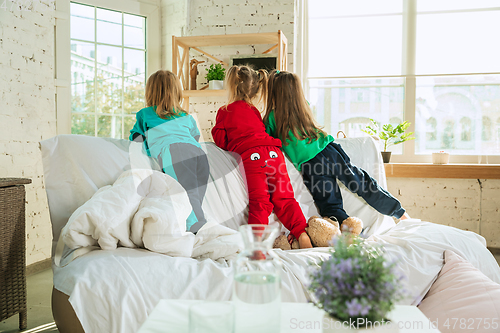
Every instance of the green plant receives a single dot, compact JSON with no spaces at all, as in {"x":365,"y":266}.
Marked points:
{"x":358,"y":282}
{"x":215,"y":72}
{"x":391,"y":135}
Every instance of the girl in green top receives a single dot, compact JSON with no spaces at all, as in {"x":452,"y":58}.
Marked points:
{"x":314,"y":153}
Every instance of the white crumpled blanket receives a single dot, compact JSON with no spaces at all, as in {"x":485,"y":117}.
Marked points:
{"x":146,"y":209}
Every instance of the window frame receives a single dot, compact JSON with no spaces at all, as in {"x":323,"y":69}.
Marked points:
{"x":62,"y":50}
{"x":408,"y":73}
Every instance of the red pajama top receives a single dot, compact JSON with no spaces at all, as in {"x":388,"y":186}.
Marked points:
{"x":239,"y":127}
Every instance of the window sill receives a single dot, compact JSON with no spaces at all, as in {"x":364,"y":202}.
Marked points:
{"x":427,"y":170}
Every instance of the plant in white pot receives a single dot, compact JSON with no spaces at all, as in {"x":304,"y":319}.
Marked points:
{"x":215,"y":76}
{"x":357,"y":286}
{"x":390,"y":135}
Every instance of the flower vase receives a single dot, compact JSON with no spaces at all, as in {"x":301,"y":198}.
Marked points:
{"x":358,"y":287}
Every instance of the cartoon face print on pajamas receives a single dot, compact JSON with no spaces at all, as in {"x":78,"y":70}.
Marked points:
{"x":264,"y":161}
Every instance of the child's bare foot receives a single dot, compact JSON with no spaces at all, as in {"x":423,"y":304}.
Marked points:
{"x":405,"y":216}
{"x":304,"y":241}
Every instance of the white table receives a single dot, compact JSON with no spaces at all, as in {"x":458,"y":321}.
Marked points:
{"x":172,"y":316}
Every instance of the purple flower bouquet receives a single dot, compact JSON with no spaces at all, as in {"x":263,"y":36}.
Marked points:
{"x":357,"y":282}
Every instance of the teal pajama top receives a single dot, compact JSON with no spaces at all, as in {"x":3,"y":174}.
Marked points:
{"x":159,"y":134}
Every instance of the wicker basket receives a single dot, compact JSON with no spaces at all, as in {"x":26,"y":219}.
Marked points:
{"x":13,"y":249}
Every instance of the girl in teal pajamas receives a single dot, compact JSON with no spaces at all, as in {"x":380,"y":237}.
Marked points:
{"x":171,"y":135}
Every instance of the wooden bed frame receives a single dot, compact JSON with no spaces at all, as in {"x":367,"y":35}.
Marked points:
{"x":63,"y":313}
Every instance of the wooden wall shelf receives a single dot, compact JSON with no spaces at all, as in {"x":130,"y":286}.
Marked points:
{"x":236,"y":39}
{"x":457,"y":171}
{"x":182,"y":45}
{"x":203,"y":93}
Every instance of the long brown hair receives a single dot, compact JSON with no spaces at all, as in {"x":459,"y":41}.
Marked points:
{"x":164,"y":91}
{"x":291,"y":111}
{"x":245,"y":84}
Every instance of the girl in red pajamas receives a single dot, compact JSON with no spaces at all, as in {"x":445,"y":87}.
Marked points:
{"x":239,"y":128}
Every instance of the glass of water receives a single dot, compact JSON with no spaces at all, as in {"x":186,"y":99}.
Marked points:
{"x":257,"y":282}
{"x":211,"y":317}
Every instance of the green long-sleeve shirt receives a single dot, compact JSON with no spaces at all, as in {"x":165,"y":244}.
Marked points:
{"x":298,"y":151}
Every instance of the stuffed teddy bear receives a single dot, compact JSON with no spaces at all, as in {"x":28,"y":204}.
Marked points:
{"x":321,"y":231}
{"x":352,"y":224}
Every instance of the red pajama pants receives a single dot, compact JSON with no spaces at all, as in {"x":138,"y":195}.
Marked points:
{"x":269,"y":187}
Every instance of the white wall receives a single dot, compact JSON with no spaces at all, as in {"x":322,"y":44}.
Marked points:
{"x":174,"y":18}
{"x":468,"y":204}
{"x":28,"y":113}
{"x":219,"y":17}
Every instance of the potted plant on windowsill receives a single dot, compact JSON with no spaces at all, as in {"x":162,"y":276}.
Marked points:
{"x":390,"y":135}
{"x":215,"y":76}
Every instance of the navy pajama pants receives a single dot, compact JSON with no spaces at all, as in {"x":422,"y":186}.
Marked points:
{"x":320,"y":176}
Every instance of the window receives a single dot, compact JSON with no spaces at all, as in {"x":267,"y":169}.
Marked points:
{"x":470,"y":99}
{"x":108,"y":63}
{"x":498,"y":129}
{"x":433,"y":63}
{"x":105,"y":49}
{"x":448,"y":138}
{"x":334,"y":101}
{"x":486,"y":133}
{"x":353,"y":126}
{"x":466,"y":129}
{"x":431,"y":129}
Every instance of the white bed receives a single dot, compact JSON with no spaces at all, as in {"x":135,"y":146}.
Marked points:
{"x":115,"y":290}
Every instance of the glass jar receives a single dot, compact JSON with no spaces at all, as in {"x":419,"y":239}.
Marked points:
{"x":257,"y":282}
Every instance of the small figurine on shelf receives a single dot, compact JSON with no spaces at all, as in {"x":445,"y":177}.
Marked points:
{"x":194,"y":72}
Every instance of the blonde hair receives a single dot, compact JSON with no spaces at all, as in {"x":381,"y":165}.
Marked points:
{"x":291,"y":111}
{"x":245,"y":84}
{"x":163,"y":90}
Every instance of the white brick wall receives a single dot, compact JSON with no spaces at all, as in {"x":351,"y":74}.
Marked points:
{"x":210,"y":17}
{"x":213,"y":17}
{"x":490,"y":211}
{"x":28,"y":114}
{"x":174,"y":16}
{"x":468,"y":204}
